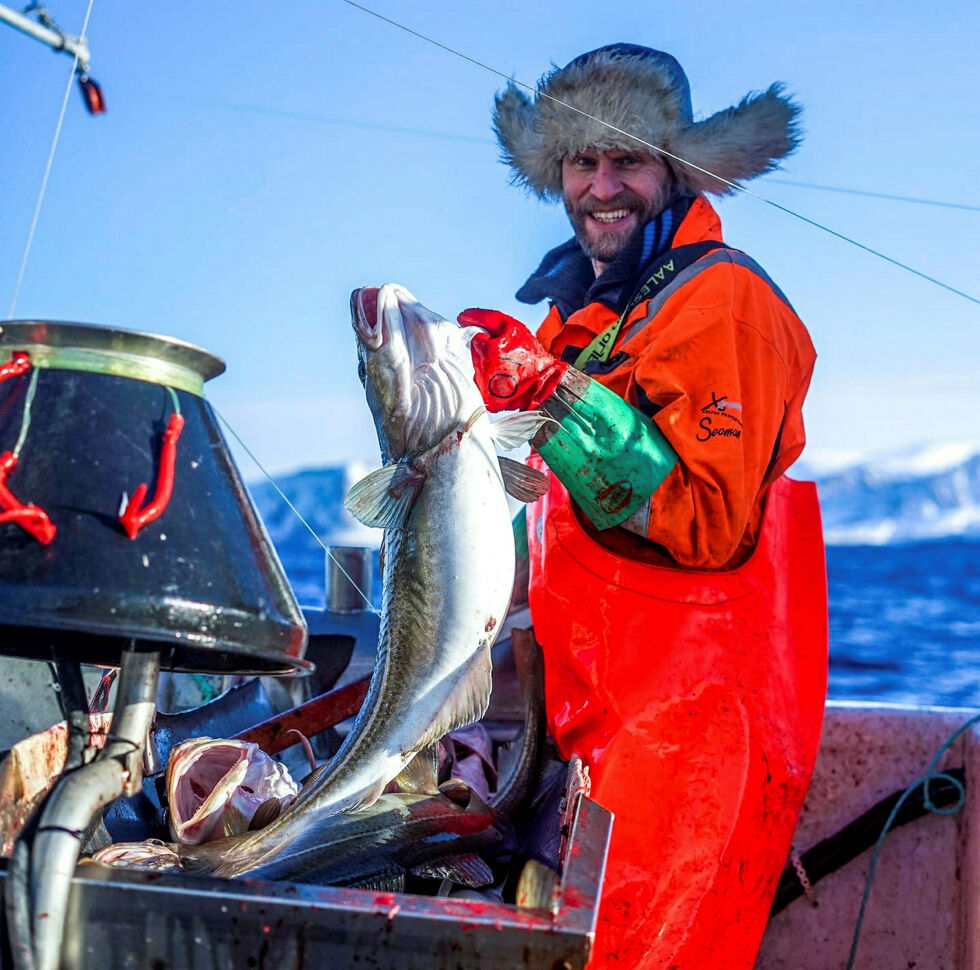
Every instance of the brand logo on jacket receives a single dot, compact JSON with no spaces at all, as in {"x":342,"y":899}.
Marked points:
{"x":721,"y":405}
{"x":720,"y":419}
{"x":656,"y":280}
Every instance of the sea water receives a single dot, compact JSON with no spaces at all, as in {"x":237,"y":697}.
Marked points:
{"x":904,"y":620}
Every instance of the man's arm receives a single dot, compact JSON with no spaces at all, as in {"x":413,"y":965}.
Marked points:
{"x":608,"y":454}
{"x":716,"y":415}
{"x":725,"y":381}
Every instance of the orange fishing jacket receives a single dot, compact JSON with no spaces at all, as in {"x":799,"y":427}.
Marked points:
{"x":718,"y":358}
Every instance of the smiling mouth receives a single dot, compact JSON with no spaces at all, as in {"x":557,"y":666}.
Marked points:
{"x":610,"y":217}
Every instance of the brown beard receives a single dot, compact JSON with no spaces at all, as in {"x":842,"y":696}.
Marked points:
{"x":606,"y":248}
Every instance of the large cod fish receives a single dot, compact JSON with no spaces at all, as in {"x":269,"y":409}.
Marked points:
{"x":448,"y":565}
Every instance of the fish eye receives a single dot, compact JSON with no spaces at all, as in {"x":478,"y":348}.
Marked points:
{"x":361,"y":371}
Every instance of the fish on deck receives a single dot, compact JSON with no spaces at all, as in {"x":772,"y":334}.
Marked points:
{"x":439,"y":836}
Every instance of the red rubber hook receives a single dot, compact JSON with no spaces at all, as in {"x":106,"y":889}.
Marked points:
{"x":19,"y":363}
{"x":31,"y":518}
{"x":133,"y":518}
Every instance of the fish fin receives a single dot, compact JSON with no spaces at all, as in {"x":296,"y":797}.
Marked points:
{"x":365,"y":799}
{"x":518,"y":428}
{"x":233,"y":821}
{"x":421,"y":774}
{"x":457,"y":790}
{"x":384,"y":498}
{"x":468,"y":700}
{"x":468,"y":869}
{"x":526,"y":484}
{"x":388,"y":880}
{"x":265,"y":814}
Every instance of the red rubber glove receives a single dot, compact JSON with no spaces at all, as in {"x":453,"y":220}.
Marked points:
{"x":513,"y":371}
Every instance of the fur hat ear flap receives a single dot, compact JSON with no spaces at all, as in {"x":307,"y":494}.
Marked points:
{"x":621,"y":94}
{"x":514,"y":123}
{"x":741,"y":142}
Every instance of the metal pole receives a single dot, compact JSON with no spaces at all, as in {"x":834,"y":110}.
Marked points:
{"x":53,"y":38}
{"x":349,"y":579}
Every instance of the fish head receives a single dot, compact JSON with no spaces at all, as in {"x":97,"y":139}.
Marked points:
{"x":218,"y":787}
{"x":416,"y":369}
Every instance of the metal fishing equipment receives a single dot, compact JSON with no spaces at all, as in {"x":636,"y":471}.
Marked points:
{"x":189,"y":571}
{"x":48,"y":32}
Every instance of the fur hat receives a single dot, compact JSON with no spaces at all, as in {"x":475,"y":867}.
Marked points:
{"x":646,"y":93}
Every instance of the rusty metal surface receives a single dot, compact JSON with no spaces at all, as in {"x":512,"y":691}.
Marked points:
{"x":316,"y":715}
{"x":31,"y":768}
{"x":121,"y":919}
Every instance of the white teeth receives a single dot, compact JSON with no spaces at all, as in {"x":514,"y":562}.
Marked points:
{"x":613,"y":216}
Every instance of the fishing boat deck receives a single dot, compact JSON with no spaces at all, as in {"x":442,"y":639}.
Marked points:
{"x":923,"y":910}
{"x":123,"y":918}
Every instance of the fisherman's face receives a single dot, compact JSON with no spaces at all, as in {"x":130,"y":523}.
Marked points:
{"x":610,"y":195}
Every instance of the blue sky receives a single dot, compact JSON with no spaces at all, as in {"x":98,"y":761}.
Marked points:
{"x":257,"y":162}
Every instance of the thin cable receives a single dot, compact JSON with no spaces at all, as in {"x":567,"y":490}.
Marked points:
{"x":876,"y":195}
{"x":47,"y":169}
{"x":263,"y":110}
{"x":676,"y":158}
{"x":25,"y":421}
{"x":930,"y":775}
{"x":295,"y":511}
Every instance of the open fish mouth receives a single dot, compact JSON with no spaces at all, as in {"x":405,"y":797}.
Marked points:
{"x":415,"y":367}
{"x":368,"y":322}
{"x":217,"y":787}
{"x":390,"y":313}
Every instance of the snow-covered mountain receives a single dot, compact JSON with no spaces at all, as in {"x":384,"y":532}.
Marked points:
{"x":926,"y":492}
{"x":317,"y":494}
{"x":929,"y":492}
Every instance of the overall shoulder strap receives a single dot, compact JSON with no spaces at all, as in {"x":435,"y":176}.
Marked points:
{"x":665,"y":269}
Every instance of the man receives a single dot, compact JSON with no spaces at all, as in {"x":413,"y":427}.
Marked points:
{"x":676,"y":578}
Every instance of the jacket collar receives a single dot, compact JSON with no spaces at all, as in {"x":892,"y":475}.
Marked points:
{"x":566,"y":277}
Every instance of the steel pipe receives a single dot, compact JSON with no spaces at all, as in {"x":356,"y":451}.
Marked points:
{"x":79,"y":796}
{"x":55,"y":39}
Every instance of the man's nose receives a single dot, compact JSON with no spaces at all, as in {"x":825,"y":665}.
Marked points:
{"x":606,"y":183}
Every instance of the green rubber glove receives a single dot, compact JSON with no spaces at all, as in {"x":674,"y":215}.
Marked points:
{"x":609,"y":455}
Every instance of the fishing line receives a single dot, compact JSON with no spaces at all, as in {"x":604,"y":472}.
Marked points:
{"x":292,"y":115}
{"x":876,"y":195}
{"x":307,"y":116}
{"x":930,"y":775}
{"x":295,"y":511}
{"x":25,"y":421}
{"x":676,"y":158}
{"x":47,"y":169}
